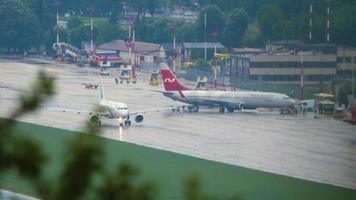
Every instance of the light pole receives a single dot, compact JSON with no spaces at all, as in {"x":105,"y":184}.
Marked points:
{"x":215,"y":34}
{"x":352,"y":82}
{"x":205,"y":34}
{"x":57,"y":22}
{"x":91,"y":11}
{"x":174,"y":46}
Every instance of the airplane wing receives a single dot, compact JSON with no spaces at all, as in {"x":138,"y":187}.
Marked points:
{"x":154,"y":110}
{"x":78,"y":111}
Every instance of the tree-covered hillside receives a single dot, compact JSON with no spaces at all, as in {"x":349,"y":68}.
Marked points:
{"x":235,"y":23}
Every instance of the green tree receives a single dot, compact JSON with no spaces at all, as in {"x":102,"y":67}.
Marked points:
{"x":154,"y":30}
{"x":215,"y":22}
{"x":253,"y":36}
{"x":74,"y":22}
{"x":266,"y":18}
{"x":235,"y":28}
{"x":81,"y":33}
{"x":20,"y":27}
{"x":144,"y":6}
{"x":203,"y":65}
{"x":344,"y":25}
{"x":107,"y":32}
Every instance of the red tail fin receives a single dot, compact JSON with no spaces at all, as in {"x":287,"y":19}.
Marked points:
{"x":171,"y":83}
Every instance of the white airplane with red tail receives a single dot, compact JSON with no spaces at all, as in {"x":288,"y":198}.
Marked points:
{"x":225,"y":100}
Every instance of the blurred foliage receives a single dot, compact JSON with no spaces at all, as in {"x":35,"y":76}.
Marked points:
{"x":21,"y":152}
{"x":193,"y":190}
{"x":83,"y":161}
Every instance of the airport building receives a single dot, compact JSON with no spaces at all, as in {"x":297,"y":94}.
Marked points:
{"x":144,"y":52}
{"x":286,"y":68}
{"x":346,"y":61}
{"x":196,"y":49}
{"x":282,"y":62}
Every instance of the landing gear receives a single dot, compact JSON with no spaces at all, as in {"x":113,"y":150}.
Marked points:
{"x":193,"y":108}
{"x":230,"y":110}
{"x":127,"y":123}
{"x":221,"y":109}
{"x":95,"y":119}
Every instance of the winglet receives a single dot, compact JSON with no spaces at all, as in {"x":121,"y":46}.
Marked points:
{"x":102,"y":94}
{"x":170,"y":82}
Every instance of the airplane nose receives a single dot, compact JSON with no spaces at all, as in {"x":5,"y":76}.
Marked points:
{"x":126,"y":113}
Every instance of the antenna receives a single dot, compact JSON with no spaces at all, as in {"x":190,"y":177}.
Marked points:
{"x":174,"y":46}
{"x":205,"y":34}
{"x":311,"y":22}
{"x":91,"y":10}
{"x":328,"y":22}
{"x":57,"y":22}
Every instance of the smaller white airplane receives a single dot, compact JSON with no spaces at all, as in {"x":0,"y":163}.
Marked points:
{"x":118,"y":110}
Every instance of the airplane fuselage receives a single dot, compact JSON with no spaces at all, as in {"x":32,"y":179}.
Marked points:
{"x":114,"y":110}
{"x":232,"y":99}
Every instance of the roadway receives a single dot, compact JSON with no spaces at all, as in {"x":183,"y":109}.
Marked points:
{"x":321,"y":150}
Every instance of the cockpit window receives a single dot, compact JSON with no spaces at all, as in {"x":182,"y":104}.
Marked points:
{"x":121,"y":108}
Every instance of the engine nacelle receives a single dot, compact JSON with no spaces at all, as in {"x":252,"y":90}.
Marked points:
{"x":139,"y":118}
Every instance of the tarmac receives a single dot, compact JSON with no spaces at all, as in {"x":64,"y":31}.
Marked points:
{"x":321,"y":150}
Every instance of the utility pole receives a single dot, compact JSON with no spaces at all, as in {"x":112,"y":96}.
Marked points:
{"x":328,"y":22}
{"x":205,"y":35}
{"x":352,"y":82}
{"x":215,"y":60}
{"x":174,"y":47}
{"x":311,"y":22}
{"x":301,"y":97}
{"x":91,"y":10}
{"x":57,"y":23}
{"x":133,"y":55}
{"x":129,"y":44}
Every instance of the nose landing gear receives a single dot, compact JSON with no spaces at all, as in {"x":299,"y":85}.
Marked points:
{"x":95,"y":119}
{"x":221,"y":109}
{"x":128,"y":121}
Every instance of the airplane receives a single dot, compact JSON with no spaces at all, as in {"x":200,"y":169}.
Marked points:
{"x":118,"y":110}
{"x":229,"y":100}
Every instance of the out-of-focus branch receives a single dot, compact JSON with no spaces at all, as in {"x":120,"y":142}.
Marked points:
{"x":41,"y":90}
